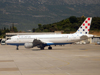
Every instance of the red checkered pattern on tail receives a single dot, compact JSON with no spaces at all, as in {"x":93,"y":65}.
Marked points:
{"x":85,"y":27}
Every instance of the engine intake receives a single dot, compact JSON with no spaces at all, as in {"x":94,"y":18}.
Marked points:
{"x":28,"y":45}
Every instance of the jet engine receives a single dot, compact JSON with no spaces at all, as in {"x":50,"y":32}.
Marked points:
{"x":28,"y":45}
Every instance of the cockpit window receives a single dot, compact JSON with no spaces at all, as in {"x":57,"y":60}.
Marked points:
{"x":8,"y":38}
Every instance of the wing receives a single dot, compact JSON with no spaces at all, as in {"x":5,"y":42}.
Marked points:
{"x":37,"y":42}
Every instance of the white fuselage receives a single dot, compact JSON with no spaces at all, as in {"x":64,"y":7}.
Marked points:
{"x":48,"y":39}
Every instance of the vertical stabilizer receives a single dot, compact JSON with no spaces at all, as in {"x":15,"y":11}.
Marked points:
{"x":85,"y":27}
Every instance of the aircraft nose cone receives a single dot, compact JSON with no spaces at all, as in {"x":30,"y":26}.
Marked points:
{"x":6,"y":42}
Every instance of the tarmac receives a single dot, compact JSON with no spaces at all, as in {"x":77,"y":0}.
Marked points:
{"x":61,"y":60}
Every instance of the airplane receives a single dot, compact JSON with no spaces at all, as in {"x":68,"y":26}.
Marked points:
{"x":41,"y":41}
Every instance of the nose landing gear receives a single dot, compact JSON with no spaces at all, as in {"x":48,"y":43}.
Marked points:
{"x":17,"y":47}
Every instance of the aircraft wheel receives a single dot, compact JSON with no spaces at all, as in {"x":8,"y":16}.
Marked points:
{"x":49,"y":47}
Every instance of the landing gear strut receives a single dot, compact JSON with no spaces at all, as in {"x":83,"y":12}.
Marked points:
{"x":49,"y":47}
{"x":41,"y":46}
{"x":17,"y":47}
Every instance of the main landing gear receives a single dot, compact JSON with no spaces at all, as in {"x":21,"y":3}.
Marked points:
{"x":49,"y":47}
{"x":42,"y":48}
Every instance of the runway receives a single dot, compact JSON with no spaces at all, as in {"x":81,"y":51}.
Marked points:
{"x":61,"y":60}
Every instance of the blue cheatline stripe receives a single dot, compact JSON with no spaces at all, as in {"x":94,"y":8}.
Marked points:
{"x":47,"y":44}
{"x":15,"y":43}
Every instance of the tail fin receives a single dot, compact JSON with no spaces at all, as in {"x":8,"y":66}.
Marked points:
{"x":85,"y":27}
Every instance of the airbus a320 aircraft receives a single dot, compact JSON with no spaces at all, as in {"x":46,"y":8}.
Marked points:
{"x":41,"y":41}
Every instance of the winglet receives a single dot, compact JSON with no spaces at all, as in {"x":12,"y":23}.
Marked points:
{"x":85,"y":27}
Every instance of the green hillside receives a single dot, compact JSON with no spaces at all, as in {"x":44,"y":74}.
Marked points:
{"x":68,"y":25}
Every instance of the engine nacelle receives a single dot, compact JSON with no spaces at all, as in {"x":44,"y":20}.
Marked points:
{"x":28,"y":45}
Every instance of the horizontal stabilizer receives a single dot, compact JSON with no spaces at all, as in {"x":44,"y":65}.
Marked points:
{"x":83,"y":37}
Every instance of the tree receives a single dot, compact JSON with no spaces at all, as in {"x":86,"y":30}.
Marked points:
{"x":15,"y":29}
{"x":73,"y":19}
{"x":4,"y":28}
{"x":39,"y":25}
{"x":0,"y":33}
{"x":33,"y":30}
{"x":7,"y":30}
{"x":45,"y":30}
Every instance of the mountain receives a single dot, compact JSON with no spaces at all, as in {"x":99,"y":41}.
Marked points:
{"x":27,"y":14}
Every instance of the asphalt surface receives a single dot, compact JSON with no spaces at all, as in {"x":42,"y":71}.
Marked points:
{"x":62,"y":60}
